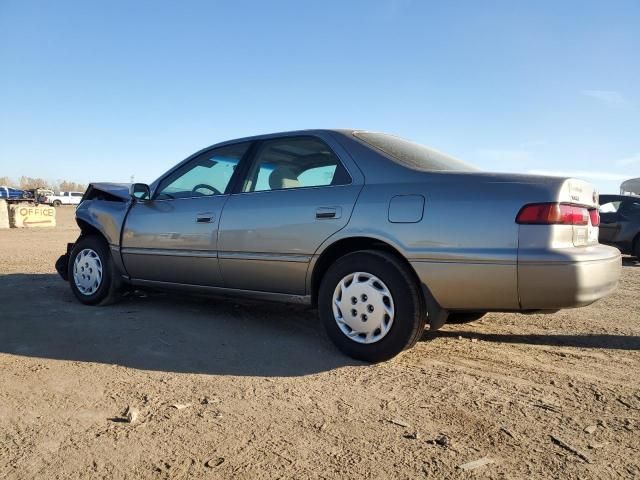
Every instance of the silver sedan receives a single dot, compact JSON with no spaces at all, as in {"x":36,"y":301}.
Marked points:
{"x":383,"y":235}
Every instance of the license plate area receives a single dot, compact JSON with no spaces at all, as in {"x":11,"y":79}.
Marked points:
{"x":585,"y":235}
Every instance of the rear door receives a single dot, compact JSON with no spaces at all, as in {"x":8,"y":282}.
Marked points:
{"x":173,"y":237}
{"x":628,"y":223}
{"x":296,"y":193}
{"x":610,"y":217}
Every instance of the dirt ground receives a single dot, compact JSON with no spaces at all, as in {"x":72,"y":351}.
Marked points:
{"x":228,"y":388}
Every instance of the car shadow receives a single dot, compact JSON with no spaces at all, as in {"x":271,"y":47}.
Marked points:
{"x":40,"y":317}
{"x":630,"y":262}
{"x":612,"y":342}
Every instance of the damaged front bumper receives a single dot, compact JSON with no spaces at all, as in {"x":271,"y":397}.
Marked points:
{"x":62,"y":264}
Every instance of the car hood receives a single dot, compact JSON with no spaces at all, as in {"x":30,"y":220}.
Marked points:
{"x":119,"y":190}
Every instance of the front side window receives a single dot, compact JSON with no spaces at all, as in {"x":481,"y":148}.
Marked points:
{"x":295,"y":162}
{"x":207,"y":175}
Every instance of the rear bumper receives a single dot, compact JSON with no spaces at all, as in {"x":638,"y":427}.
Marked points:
{"x":565,"y":278}
{"x":626,"y":247}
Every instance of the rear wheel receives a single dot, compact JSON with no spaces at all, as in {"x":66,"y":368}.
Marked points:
{"x":636,"y":248}
{"x":92,"y":274}
{"x":370,"y":305}
{"x":464,"y":317}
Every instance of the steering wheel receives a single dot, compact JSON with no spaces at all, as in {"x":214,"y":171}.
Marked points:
{"x":208,"y":187}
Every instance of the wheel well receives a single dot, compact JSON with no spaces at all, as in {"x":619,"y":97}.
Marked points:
{"x":87,"y":229}
{"x":343,"y":247}
{"x":635,"y":245}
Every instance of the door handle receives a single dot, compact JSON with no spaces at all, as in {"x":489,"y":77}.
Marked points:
{"x":328,"y":212}
{"x":205,"y":217}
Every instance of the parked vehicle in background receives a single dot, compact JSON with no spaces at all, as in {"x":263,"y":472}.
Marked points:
{"x":41,"y":193}
{"x":11,"y":194}
{"x":63,"y":198}
{"x":36,"y":195}
{"x":620,"y":222}
{"x":630,"y":187}
{"x":382,"y":234}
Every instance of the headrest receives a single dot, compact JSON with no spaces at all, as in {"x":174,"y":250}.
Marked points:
{"x":283,"y":177}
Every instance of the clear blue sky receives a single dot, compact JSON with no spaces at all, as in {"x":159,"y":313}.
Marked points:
{"x":105,"y":90}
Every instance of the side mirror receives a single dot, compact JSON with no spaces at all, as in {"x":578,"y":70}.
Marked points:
{"x":140,"y":191}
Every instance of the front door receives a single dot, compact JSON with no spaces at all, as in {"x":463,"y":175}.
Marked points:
{"x":296,"y":194}
{"x":173,"y":237}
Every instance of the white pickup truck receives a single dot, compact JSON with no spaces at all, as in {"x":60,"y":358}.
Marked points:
{"x":63,"y":198}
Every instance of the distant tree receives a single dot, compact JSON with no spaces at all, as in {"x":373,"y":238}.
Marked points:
{"x":25,"y":182}
{"x":31,"y":182}
{"x":7,"y":181}
{"x":66,"y":186}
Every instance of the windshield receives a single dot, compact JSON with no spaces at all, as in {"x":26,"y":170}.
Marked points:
{"x":412,"y":155}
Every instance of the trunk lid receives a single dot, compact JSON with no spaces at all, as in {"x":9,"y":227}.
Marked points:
{"x":579,"y":192}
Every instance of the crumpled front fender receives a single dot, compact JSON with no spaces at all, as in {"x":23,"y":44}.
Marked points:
{"x":106,"y":217}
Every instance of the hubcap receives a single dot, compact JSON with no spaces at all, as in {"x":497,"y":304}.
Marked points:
{"x":87,"y":272}
{"x":363,"y":307}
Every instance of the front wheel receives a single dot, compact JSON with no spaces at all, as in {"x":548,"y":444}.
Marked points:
{"x":371,"y":306}
{"x":92,"y":275}
{"x":57,"y":203}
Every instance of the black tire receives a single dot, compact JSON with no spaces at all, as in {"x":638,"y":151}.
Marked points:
{"x":636,"y":248}
{"x":410,"y":315}
{"x":108,"y":290}
{"x":464,"y":317}
{"x":57,"y":203}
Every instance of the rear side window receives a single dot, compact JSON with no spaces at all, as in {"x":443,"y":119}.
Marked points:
{"x":623,"y":205}
{"x":294,"y":162}
{"x":610,"y":207}
{"x":412,"y":155}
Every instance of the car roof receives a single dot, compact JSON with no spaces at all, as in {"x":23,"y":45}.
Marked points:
{"x":289,"y":133}
{"x":606,"y":198}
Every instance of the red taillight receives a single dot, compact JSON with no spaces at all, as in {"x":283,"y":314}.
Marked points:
{"x":552,"y":214}
{"x":595,"y":217}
